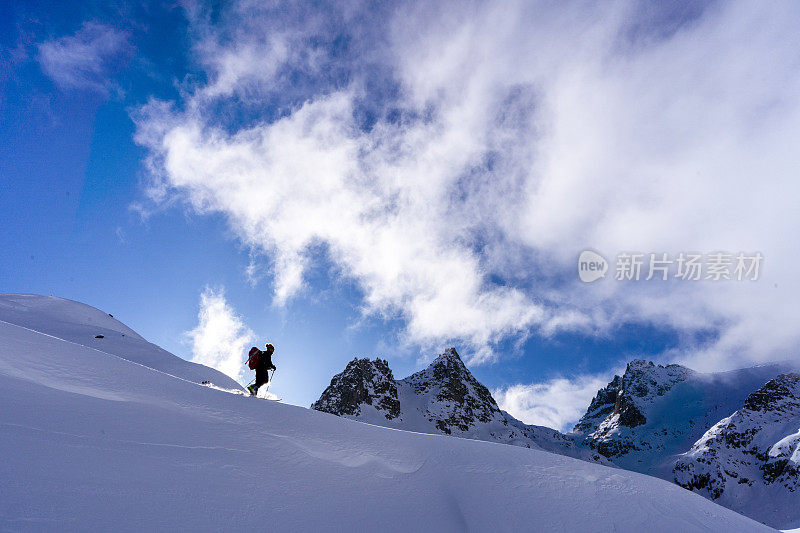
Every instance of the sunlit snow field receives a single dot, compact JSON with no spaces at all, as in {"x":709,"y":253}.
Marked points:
{"x":115,"y":433}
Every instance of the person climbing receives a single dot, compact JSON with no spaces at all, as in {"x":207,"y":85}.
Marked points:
{"x":261,"y":362}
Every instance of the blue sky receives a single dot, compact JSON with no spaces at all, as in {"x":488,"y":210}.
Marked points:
{"x":390,"y":179}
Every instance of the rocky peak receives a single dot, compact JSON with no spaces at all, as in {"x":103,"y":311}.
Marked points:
{"x":779,"y":395}
{"x":449,"y":357}
{"x":628,"y":396}
{"x":454,"y":398}
{"x":645,"y":378}
{"x":642,"y":382}
{"x":447,"y":369}
{"x":363,"y":382}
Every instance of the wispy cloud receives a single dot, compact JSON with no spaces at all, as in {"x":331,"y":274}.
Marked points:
{"x":557,"y":403}
{"x":221,"y":337}
{"x":454,"y":161}
{"x":86,"y":59}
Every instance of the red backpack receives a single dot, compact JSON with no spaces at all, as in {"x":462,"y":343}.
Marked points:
{"x":253,"y":358}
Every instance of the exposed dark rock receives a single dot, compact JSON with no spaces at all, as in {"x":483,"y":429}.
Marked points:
{"x":363,"y":382}
{"x":462,"y":400}
{"x":602,"y":405}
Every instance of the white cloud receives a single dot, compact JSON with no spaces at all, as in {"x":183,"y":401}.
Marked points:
{"x":526,"y":133}
{"x":84,"y":60}
{"x":557,"y":403}
{"x":301,"y":180}
{"x":221,"y":338}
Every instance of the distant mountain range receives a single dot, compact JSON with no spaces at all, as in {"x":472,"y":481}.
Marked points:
{"x":733,"y":437}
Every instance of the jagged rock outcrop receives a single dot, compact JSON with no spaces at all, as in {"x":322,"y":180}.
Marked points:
{"x":750,"y":460}
{"x":625,"y":404}
{"x":602,"y":405}
{"x":363,"y":383}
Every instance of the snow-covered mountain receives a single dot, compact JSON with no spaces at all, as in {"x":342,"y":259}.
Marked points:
{"x":443,"y":398}
{"x":750,"y":461}
{"x":100,"y":436}
{"x":689,"y":427}
{"x":648,"y":416}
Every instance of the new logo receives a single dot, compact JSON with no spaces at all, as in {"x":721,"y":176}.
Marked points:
{"x":591,"y":266}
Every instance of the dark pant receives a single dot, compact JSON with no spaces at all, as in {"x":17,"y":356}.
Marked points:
{"x":262,"y":376}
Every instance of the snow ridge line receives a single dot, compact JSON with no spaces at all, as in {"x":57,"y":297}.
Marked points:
{"x":101,"y":351}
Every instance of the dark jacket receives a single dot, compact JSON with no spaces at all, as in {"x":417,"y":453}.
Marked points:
{"x":263,"y":368}
{"x":265,"y":361}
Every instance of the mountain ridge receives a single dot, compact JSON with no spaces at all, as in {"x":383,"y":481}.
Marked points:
{"x":443,"y":398}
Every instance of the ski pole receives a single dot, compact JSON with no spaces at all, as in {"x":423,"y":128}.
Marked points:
{"x":269,"y":383}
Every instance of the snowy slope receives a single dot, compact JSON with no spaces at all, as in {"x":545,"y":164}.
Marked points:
{"x":644,"y":419}
{"x":81,"y":324}
{"x":92,"y":440}
{"x":750,"y":461}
